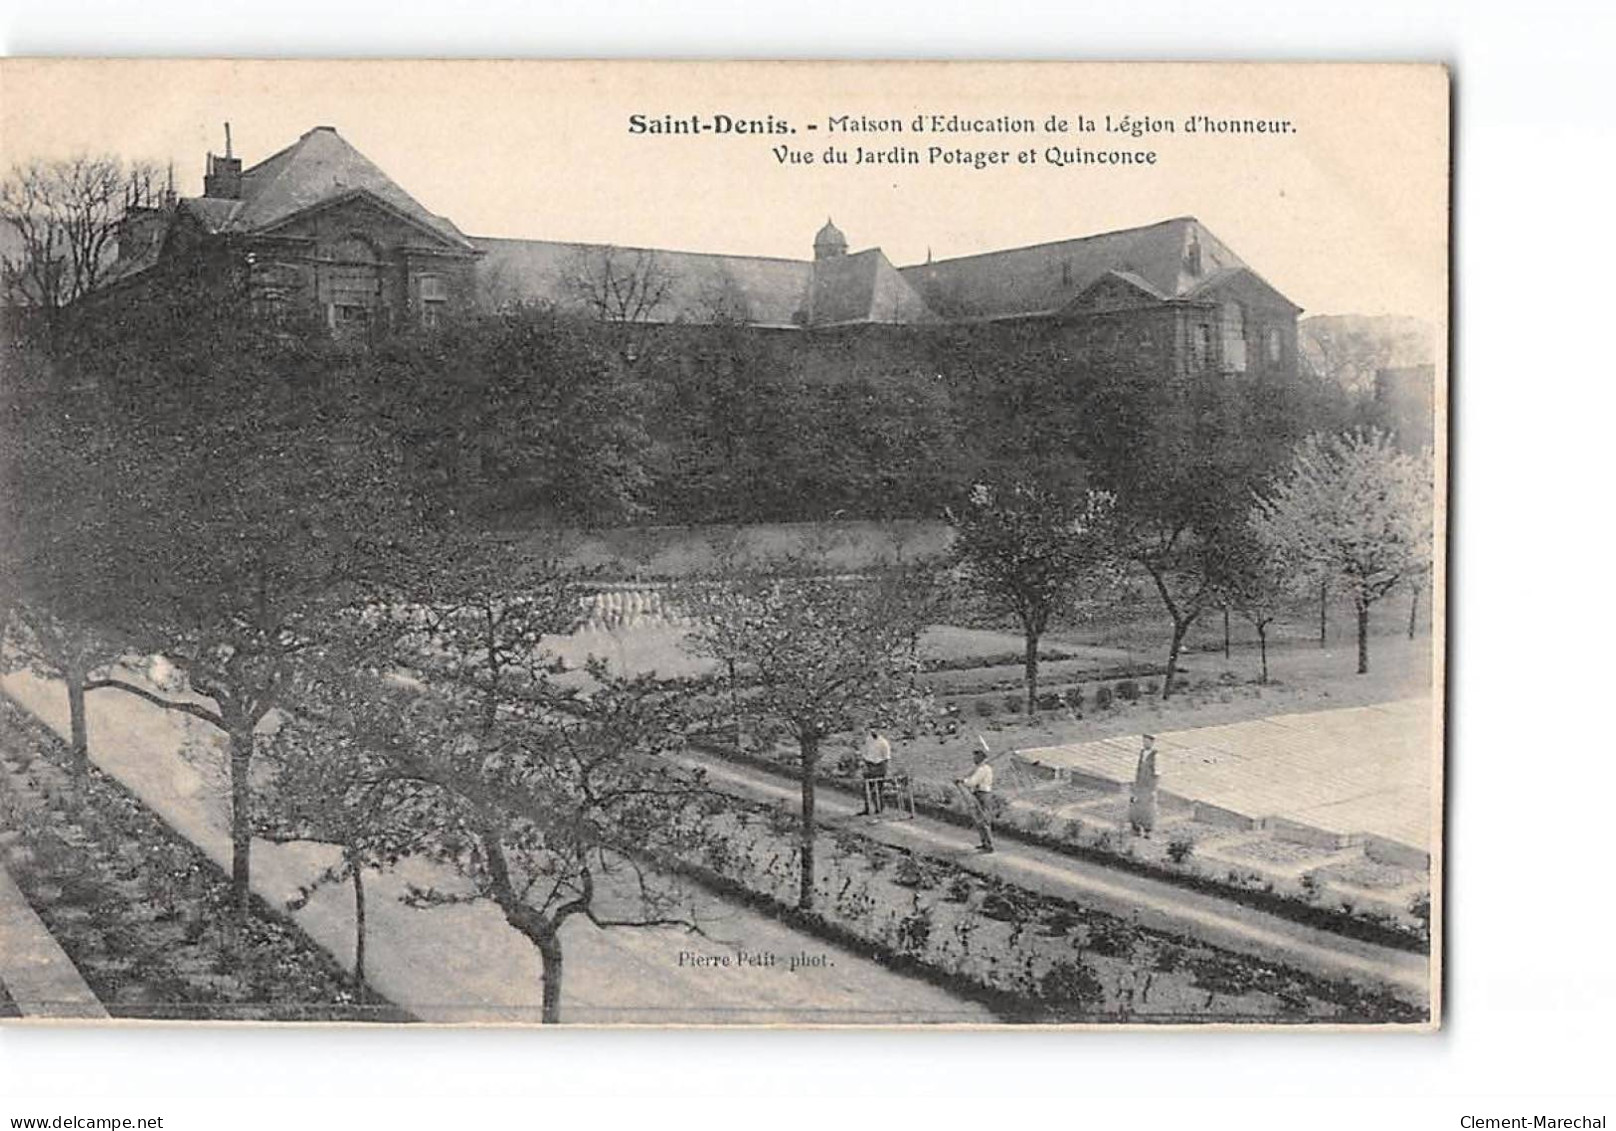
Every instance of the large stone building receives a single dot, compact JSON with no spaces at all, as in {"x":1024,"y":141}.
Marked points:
{"x":317,"y":229}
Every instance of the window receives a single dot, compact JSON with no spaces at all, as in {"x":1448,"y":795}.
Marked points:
{"x":1233,"y":323}
{"x":434,"y":300}
{"x":1200,"y":347}
{"x":1276,"y":345}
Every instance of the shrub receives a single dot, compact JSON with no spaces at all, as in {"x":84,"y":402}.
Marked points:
{"x":984,"y":708}
{"x":1037,"y":820}
{"x":1074,"y":699}
{"x":1310,"y":885}
{"x":958,"y":890}
{"x":1012,"y":703}
{"x":998,"y":905}
{"x":1151,"y":687}
{"x":720,"y":855}
{"x":914,"y":931}
{"x":1179,"y":849}
{"x":1168,"y":958}
{"x":910,"y":874}
{"x":1050,"y":701}
{"x":1420,"y":908}
{"x":1070,"y":982}
{"x":1103,"y":698}
{"x":1128,"y":689}
{"x":1059,"y":922}
{"x":1111,"y":938}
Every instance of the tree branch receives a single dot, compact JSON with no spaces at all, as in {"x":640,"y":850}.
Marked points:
{"x":194,"y":709}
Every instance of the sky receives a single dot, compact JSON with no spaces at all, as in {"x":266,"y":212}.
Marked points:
{"x":1347,"y":213}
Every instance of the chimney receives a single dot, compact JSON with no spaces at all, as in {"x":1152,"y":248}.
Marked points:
{"x":223,"y":178}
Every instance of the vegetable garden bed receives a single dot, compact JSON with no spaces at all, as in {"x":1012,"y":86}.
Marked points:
{"x":143,"y":914}
{"x":1034,"y":957}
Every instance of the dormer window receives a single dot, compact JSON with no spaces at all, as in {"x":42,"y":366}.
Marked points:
{"x":1192,"y":256}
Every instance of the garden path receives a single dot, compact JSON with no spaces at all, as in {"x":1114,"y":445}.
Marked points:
{"x":1150,"y":902}
{"x":463,"y":963}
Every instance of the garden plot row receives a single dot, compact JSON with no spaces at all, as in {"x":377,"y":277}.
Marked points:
{"x":142,"y":913}
{"x":1037,"y":957}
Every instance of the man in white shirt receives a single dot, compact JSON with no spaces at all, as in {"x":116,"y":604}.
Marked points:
{"x":877,"y":761}
{"x":978,"y":786}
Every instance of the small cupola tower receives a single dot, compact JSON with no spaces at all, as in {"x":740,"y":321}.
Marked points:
{"x":830,"y":242}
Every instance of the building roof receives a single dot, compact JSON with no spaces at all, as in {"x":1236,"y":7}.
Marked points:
{"x":1175,"y":259}
{"x":1160,"y":258}
{"x":318,"y":168}
{"x":862,"y":288}
{"x":646,"y":284}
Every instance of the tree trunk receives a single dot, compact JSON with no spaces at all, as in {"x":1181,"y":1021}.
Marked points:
{"x":358,"y":873}
{"x":1262,"y":649}
{"x":1324,"y":614}
{"x":805,"y":879}
{"x":1414,"y":611}
{"x":241,"y":752}
{"x":1226,"y":632}
{"x":1181,"y":629}
{"x":1363,"y":637}
{"x":1031,"y":662}
{"x":79,"y":732}
{"x":550,"y":963}
{"x":735,"y":704}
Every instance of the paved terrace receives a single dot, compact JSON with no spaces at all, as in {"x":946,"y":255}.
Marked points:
{"x":1353,"y":771}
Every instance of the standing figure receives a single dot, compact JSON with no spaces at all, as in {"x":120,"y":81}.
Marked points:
{"x":978,"y":786}
{"x":877,"y":759}
{"x":1142,"y":800}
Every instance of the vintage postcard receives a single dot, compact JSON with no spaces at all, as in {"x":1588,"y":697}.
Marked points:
{"x":723,"y":543}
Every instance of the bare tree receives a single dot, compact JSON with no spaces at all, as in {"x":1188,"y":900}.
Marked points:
{"x":66,"y":215}
{"x":617,"y":285}
{"x":1185,"y":565}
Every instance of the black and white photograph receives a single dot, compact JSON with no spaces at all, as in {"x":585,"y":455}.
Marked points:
{"x":723,"y":544}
